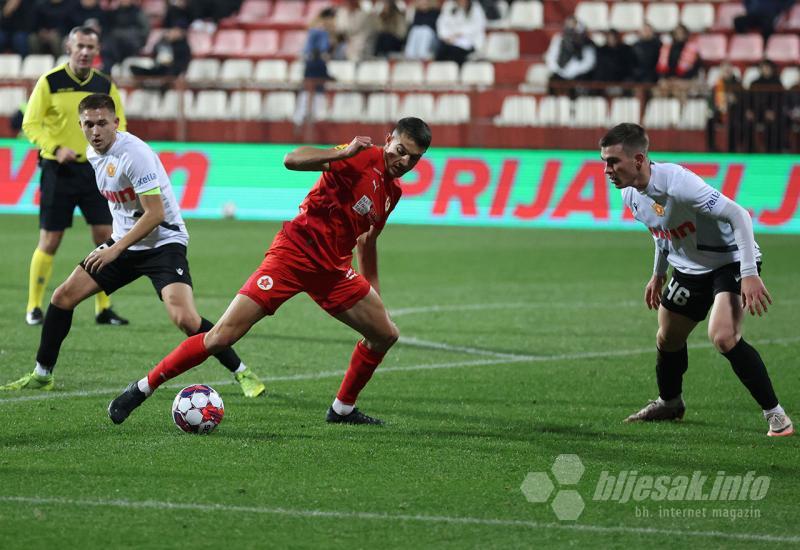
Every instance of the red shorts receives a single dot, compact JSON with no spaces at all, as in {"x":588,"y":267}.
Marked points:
{"x":287,"y":271}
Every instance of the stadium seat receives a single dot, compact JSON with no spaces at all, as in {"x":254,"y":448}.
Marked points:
{"x":501,"y":22}
{"x":418,"y":105}
{"x":347,"y":107}
{"x":374,"y":72}
{"x":555,"y":111}
{"x":209,"y":105}
{"x":747,"y":48}
{"x":662,"y":16}
{"x":254,"y":12}
{"x":262,"y":43}
{"x":792,"y":20}
{"x":236,"y":70}
{"x":536,"y":78}
{"x":626,"y":16}
{"x":271,"y":71}
{"x":342,"y":70}
{"x":278,"y":106}
{"x":694,"y":115}
{"x":382,"y":107}
{"x":10,"y":65}
{"x":662,"y":112}
{"x":296,"y":69}
{"x":590,"y":112}
{"x":517,"y":110}
{"x":11,"y":99}
{"x":697,"y":17}
{"x":712,"y":47}
{"x":790,"y":77}
{"x":750,"y":75}
{"x":502,"y":46}
{"x":408,"y":74}
{"x":526,"y":15}
{"x":288,"y":12}
{"x":245,"y":105}
{"x":201,"y":70}
{"x":713,"y":74}
{"x":726,"y":13}
{"x":170,"y":105}
{"x":593,"y":15}
{"x":33,"y":66}
{"x":292,"y":43}
{"x":123,"y":70}
{"x":625,"y":109}
{"x":783,"y":48}
{"x":229,"y":42}
{"x":142,"y":104}
{"x":441,"y":73}
{"x":451,"y":109}
{"x":200,"y":42}
{"x":477,"y":73}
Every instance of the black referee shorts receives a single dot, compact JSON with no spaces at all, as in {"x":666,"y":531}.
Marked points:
{"x":163,"y":265}
{"x":63,"y":187}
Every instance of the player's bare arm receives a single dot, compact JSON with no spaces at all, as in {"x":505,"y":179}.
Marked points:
{"x":313,"y":159}
{"x":153,"y":215}
{"x":367,"y":256}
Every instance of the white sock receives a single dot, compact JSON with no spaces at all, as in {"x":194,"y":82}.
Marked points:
{"x":342,"y":408}
{"x":242,"y":367}
{"x":674,"y":402}
{"x":778,"y":410}
{"x":144,"y":386}
{"x":41,"y":370}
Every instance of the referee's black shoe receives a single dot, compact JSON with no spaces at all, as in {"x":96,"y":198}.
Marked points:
{"x":108,"y":317}
{"x":355,"y":417}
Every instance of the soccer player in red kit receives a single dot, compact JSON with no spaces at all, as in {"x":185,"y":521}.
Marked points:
{"x":313,"y":253}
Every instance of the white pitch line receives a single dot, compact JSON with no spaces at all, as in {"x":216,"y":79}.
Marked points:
{"x":376,"y":516}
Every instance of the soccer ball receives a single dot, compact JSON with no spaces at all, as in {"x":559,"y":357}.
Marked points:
{"x":197,"y":409}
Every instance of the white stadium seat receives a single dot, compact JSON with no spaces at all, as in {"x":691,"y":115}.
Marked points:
{"x":555,"y":111}
{"x":347,"y":107}
{"x":662,"y":16}
{"x":170,"y":104}
{"x":201,"y":70}
{"x":245,"y":105}
{"x":271,"y":71}
{"x":441,"y":73}
{"x":34,"y":66}
{"x":536,"y":78}
{"x":624,"y":109}
{"x":590,"y":112}
{"x":517,"y":110}
{"x":526,"y":15}
{"x":382,"y":107}
{"x":626,"y":16}
{"x":662,"y":112}
{"x":374,"y":72}
{"x":417,"y":105}
{"x":477,"y":73}
{"x":343,"y":71}
{"x":11,"y":99}
{"x":142,"y":104}
{"x":278,"y":106}
{"x":750,"y":75}
{"x":296,"y":69}
{"x":593,"y":15}
{"x":502,"y":46}
{"x":694,"y":115}
{"x":697,"y":16}
{"x":790,"y":77}
{"x":209,"y":105}
{"x":451,"y":109}
{"x":408,"y":74}
{"x":236,"y":70}
{"x":10,"y":65}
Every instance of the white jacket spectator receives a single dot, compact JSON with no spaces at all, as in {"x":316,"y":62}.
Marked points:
{"x":461,"y":29}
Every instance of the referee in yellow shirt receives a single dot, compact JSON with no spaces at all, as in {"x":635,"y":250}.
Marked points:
{"x":67,"y":180}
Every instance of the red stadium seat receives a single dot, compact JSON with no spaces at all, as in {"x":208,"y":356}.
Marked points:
{"x":289,"y":12}
{"x":254,"y":12}
{"x":200,"y":42}
{"x":229,"y":42}
{"x":316,"y":6}
{"x":792,"y":20}
{"x":262,"y":43}
{"x":292,"y":43}
{"x":725,"y":16}
{"x":746,"y":47}
{"x":783,"y":48}
{"x":712,"y":47}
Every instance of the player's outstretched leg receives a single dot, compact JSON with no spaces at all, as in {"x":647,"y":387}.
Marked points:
{"x":249,"y":382}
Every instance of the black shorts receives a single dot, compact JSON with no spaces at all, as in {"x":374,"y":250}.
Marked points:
{"x":63,"y":187}
{"x":693,"y":295}
{"x":163,"y":265}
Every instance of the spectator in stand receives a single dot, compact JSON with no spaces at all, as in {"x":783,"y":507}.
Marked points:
{"x":171,"y":54}
{"x":421,"y":41}
{"x":16,"y":25}
{"x":391,"y":27}
{"x":357,"y":26}
{"x":126,"y":33}
{"x":321,"y":41}
{"x":645,"y":52}
{"x":178,"y":14}
{"x":206,"y":14}
{"x":89,"y":10}
{"x":765,"y":103}
{"x":570,"y":56}
{"x":490,"y":9}
{"x":761,"y":15}
{"x":678,"y":65}
{"x":615,"y":60}
{"x":52,"y":21}
{"x":726,"y":109}
{"x":461,"y":29}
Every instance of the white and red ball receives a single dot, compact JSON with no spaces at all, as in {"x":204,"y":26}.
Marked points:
{"x":197,"y":409}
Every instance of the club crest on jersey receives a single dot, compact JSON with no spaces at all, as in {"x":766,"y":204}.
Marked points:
{"x":264,"y":282}
{"x":659,"y":210}
{"x":111,"y":170}
{"x":363,"y":205}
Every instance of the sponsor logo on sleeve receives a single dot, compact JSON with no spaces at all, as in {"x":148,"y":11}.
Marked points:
{"x":709,"y":204}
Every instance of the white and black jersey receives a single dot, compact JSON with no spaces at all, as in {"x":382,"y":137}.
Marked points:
{"x":695,"y":227}
{"x":128,"y":169}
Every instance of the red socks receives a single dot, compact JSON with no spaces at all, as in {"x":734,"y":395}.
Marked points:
{"x":190,"y":353}
{"x":363,"y":363}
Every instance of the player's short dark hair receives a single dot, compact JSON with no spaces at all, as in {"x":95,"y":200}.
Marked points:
{"x":416,"y":129}
{"x":83,"y":29}
{"x":97,"y":101}
{"x":631,"y":136}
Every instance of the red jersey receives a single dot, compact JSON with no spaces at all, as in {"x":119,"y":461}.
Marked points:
{"x":346,"y":200}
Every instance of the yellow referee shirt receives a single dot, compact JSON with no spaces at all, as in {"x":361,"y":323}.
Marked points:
{"x":51,"y":119}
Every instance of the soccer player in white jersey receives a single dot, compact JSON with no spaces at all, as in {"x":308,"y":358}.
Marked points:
{"x":708,"y":239}
{"x":149,"y":238}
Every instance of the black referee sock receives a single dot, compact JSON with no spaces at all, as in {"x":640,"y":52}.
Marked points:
{"x":55,"y":328}
{"x":229,"y":359}
{"x":670,"y":368}
{"x":750,"y":369}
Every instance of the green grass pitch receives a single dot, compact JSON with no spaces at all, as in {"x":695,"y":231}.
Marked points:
{"x":518,"y":346}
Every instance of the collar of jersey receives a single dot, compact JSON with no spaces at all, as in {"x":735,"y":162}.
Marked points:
{"x":74,"y":77}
